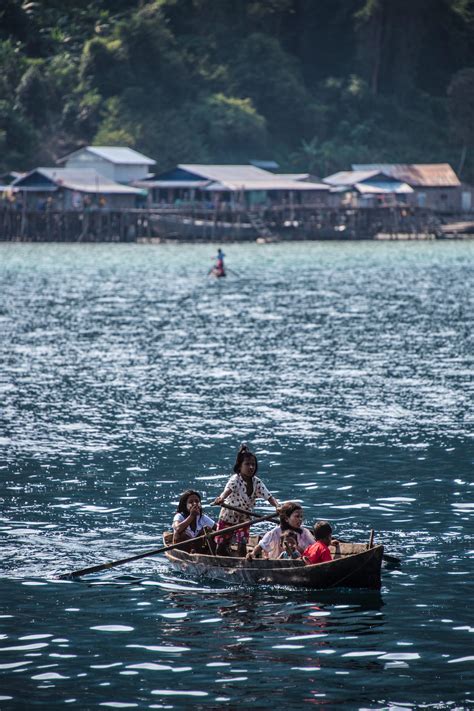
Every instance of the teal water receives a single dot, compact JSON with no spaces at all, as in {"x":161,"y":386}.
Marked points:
{"x":126,"y":376}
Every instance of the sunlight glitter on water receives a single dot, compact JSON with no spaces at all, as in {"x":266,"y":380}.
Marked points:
{"x":126,"y":378}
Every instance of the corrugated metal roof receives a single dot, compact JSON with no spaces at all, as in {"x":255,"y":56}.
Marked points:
{"x":303,"y":178}
{"x":350,"y":177}
{"x":236,"y":173}
{"x":188,"y":184}
{"x":277,"y":184}
{"x":383,"y":188}
{"x":233,"y":178}
{"x":294,"y":176}
{"x":81,"y":180}
{"x":265,"y":164}
{"x":418,"y":174}
{"x":114,"y":154}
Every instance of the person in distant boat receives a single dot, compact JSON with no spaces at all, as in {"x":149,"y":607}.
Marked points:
{"x":289,"y":543}
{"x":319,"y":552}
{"x":291,"y":518}
{"x":190,"y":522}
{"x":241,"y":491}
{"x":218,"y":269}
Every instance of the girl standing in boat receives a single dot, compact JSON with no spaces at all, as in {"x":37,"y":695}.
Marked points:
{"x":241,"y":491}
{"x":190,"y":522}
{"x":291,"y":518}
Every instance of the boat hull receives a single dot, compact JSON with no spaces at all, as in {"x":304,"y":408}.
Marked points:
{"x":358,"y":567}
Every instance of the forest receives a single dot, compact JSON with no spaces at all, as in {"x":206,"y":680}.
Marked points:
{"x":313,"y":84}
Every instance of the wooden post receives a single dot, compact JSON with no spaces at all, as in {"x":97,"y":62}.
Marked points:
{"x":371,"y":539}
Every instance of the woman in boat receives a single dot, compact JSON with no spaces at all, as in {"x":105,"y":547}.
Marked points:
{"x":190,"y":522}
{"x":291,"y":518}
{"x":241,"y":491}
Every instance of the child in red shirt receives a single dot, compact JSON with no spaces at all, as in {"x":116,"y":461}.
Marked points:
{"x":319,"y":552}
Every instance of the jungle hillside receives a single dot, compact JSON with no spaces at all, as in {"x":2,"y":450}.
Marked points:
{"x":313,"y":84}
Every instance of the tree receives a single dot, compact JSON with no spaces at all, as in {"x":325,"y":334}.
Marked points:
{"x":33,"y":95}
{"x":461,"y":110}
{"x":271,"y":78}
{"x":103,"y":66}
{"x":234,"y":127}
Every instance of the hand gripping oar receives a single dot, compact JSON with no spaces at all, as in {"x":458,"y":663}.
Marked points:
{"x":104,"y":566}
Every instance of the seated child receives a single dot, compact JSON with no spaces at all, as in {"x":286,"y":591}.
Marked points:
{"x":190,"y":522}
{"x":289,"y":543}
{"x":319,"y":552}
{"x":291,"y":519}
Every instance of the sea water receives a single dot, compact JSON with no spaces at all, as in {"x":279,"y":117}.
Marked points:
{"x":127,"y":375}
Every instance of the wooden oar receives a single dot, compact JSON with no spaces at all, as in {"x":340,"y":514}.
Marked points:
{"x":392,"y":559}
{"x":386,"y":557}
{"x":105,"y":566}
{"x":232,"y":271}
{"x":251,"y":515}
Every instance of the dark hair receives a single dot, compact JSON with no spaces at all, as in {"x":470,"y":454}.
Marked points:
{"x":288,"y":534}
{"x":285,"y":511}
{"x":183,"y":500}
{"x":242,"y":454}
{"x":322,"y":529}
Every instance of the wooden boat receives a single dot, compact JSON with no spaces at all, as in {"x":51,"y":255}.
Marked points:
{"x":217,"y":273}
{"x":354,"y":565}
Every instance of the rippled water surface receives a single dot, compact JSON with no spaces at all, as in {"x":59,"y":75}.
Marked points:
{"x":126,"y":376}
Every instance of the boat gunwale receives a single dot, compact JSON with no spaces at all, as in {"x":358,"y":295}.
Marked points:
{"x":255,"y":564}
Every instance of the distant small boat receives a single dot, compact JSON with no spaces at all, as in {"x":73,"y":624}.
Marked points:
{"x":355,"y":565}
{"x":217,"y":273}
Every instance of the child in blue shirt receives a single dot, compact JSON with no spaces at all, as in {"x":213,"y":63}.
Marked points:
{"x":289,"y":543}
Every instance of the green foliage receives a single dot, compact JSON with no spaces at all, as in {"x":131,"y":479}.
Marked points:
{"x":315,"y":84}
{"x":112,"y":131}
{"x":103,"y":66}
{"x":235,"y":122}
{"x":19,"y":137}
{"x":152,"y":52}
{"x":12,"y":66}
{"x":461,"y":105}
{"x":264,"y":72}
{"x":33,"y":96}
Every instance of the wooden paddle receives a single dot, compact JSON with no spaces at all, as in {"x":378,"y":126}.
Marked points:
{"x":105,"y":566}
{"x":251,"y":515}
{"x":232,"y":271}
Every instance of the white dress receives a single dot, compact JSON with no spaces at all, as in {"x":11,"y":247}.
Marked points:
{"x":240,"y":499}
{"x":270,"y":542}
{"x":201,"y":521}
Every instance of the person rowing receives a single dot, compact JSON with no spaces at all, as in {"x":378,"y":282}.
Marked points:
{"x":241,"y":491}
{"x":218,"y":270}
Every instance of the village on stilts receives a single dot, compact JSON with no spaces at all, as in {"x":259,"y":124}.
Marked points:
{"x":116,"y":198}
